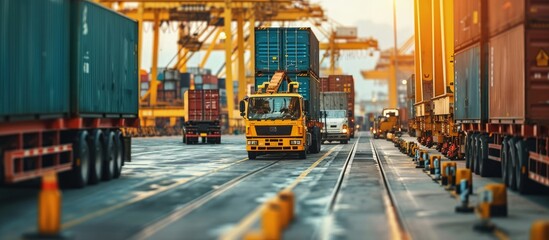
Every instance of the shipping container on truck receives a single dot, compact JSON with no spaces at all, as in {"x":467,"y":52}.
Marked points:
{"x":501,"y":66}
{"x":68,"y":84}
{"x":282,"y":116}
{"x":342,"y":83}
{"x":335,"y":117}
{"x":203,"y":113}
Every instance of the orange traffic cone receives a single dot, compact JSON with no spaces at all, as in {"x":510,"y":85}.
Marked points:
{"x":49,"y":210}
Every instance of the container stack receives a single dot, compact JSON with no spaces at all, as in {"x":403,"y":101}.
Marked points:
{"x":294,"y":50}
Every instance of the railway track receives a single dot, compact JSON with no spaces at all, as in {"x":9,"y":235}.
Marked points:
{"x":398,"y":226}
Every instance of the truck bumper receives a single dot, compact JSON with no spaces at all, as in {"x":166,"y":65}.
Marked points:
{"x":274,"y":145}
{"x":335,"y":136}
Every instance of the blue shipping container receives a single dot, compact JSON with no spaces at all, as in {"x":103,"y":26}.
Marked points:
{"x":34,"y":73}
{"x":104,"y":67}
{"x":470,"y":104}
{"x":292,"y":49}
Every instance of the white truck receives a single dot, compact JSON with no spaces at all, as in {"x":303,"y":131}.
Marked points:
{"x":333,"y":108}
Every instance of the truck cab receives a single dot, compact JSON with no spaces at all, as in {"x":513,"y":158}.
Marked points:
{"x":336,"y":126}
{"x":277,"y":122}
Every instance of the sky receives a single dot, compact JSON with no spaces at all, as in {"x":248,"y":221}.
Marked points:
{"x":373,"y":18}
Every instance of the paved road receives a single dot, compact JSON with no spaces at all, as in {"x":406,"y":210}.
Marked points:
{"x":176,"y":191}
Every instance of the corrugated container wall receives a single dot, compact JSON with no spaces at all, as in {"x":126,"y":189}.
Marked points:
{"x":291,"y":49}
{"x":300,"y":50}
{"x":104,"y":70}
{"x":202,"y":105}
{"x":506,"y":79}
{"x":470,"y":101}
{"x":333,"y":101}
{"x":467,"y":24}
{"x":34,"y":77}
{"x":343,"y":83}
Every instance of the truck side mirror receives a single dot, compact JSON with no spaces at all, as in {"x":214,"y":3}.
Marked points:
{"x":242,"y":108}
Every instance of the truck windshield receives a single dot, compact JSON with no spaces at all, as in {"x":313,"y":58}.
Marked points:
{"x":335,"y":114}
{"x":273,"y":108}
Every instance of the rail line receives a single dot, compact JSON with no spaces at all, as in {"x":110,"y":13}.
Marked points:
{"x":344,"y":172}
{"x":398,"y":226}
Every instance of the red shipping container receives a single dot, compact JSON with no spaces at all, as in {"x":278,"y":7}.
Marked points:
{"x":507,"y":14}
{"x":202,"y":105}
{"x":519,"y":76}
{"x":209,"y":79}
{"x":341,"y":83}
{"x":467,"y":23}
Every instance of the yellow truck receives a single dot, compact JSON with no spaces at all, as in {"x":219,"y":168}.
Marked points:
{"x":279,"y":119}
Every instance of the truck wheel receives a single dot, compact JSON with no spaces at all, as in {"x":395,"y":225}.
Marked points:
{"x":524,"y":184}
{"x":110,"y":153}
{"x":504,"y":155}
{"x":119,"y":161}
{"x":302,"y":154}
{"x":512,"y":164}
{"x":468,"y":151}
{"x":81,"y":160}
{"x":485,"y":164}
{"x":203,"y":140}
{"x":252,"y":155}
{"x":315,"y":145}
{"x":477,"y":155}
{"x":96,"y":157}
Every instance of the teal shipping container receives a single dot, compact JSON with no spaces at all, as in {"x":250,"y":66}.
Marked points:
{"x":295,"y":50}
{"x":104,"y":67}
{"x":34,"y":73}
{"x":470,"y":87}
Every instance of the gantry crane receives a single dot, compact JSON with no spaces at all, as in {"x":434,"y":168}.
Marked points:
{"x":386,"y":67}
{"x":215,"y":14}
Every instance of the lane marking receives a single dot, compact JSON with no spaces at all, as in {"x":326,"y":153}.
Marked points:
{"x":142,"y":196}
{"x":249,"y":219}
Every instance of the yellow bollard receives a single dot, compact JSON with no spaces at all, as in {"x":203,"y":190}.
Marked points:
{"x":539,"y":230}
{"x":287,"y":207}
{"x":498,"y":206}
{"x":271,"y":222}
{"x":432,"y":163}
{"x":464,"y":173}
{"x":49,"y":206}
{"x":483,"y":212}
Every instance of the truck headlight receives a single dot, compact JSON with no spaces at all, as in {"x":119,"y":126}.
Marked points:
{"x":295,"y":142}
{"x":252,"y":142}
{"x":344,"y":130}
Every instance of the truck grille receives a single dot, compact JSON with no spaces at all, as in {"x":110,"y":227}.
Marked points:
{"x":273,"y":130}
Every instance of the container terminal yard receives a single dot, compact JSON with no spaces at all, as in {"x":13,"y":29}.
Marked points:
{"x":274,"y":119}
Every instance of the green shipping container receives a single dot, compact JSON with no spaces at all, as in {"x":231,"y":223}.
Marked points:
{"x":34,"y":77}
{"x":104,"y":67}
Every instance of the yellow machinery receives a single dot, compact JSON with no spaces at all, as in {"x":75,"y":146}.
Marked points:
{"x":434,"y":75}
{"x":277,"y":121}
{"x":387,"y":123}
